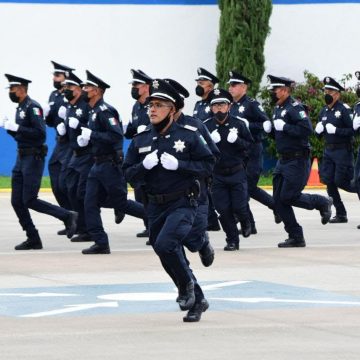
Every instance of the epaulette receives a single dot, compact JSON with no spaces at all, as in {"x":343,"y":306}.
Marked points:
{"x":147,"y":129}
{"x":103,"y":107}
{"x":347,"y":106}
{"x":295,"y":103}
{"x":189,"y":127}
{"x":207,"y":120}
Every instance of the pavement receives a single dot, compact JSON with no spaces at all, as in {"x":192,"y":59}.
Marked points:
{"x":265,"y":302}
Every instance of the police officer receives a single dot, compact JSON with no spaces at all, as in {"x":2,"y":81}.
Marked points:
{"x":169,"y":158}
{"x":54,"y":113}
{"x":230,"y":191}
{"x":28,"y":130}
{"x":336,"y":168}
{"x":106,"y":185}
{"x":139,"y":120}
{"x":205,"y":84}
{"x":252,"y":114}
{"x":291,"y":129}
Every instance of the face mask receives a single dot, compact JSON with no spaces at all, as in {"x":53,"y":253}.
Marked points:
{"x":69,"y":94}
{"x":57,"y":85}
{"x":162,"y":125}
{"x":135,"y":93}
{"x":84,"y":96}
{"x":199,"y":90}
{"x":13,"y":97}
{"x":220,"y":116}
{"x":274,"y":98}
{"x":358,"y":92}
{"x":328,"y":99}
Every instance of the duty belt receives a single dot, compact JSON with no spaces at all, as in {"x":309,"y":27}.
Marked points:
{"x":104,"y":158}
{"x":295,"y":155}
{"x":338,"y":146}
{"x":165,"y":198}
{"x":41,"y":151}
{"x":81,"y":151}
{"x":229,"y":170}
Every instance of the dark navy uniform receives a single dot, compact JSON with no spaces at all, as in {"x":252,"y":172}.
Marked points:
{"x":202,"y":110}
{"x":139,"y":120}
{"x":357,"y":164}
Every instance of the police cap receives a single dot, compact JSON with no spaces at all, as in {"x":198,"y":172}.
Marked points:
{"x":62,"y":69}
{"x":73,"y":80}
{"x":236,"y":77}
{"x":16,"y":80}
{"x":279,"y":81}
{"x":206,"y":75}
{"x":140,"y":77}
{"x":93,"y":80}
{"x":220,"y":96}
{"x":330,"y":83}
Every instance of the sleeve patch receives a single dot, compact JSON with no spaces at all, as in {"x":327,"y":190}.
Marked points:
{"x":189,"y":127}
{"x":37,"y":111}
{"x":302,"y":114}
{"x":113,"y":121}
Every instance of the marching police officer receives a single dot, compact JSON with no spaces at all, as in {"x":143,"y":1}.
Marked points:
{"x":336,"y":168}
{"x":169,"y":158}
{"x":230,"y":190}
{"x":206,"y":82}
{"x":54,"y":113}
{"x":106,"y":185}
{"x":292,"y":129}
{"x":252,"y":114}
{"x":356,"y":127}
{"x":28,"y":130}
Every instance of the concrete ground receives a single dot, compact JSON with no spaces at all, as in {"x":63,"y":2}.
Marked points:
{"x":265,"y":302}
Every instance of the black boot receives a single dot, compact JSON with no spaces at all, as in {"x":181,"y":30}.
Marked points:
{"x":62,"y":232}
{"x":277,"y":217}
{"x":71,"y":224}
{"x":194,"y":314}
{"x":325,"y":211}
{"x":82,"y":237}
{"x":187,"y":296}
{"x":245,"y":228}
{"x":144,"y":233}
{"x":97,"y":249}
{"x":231,"y":247}
{"x":339,"y":219}
{"x":33,"y":242}
{"x":207,"y":254}
{"x":119,"y":216}
{"x":291,"y":242}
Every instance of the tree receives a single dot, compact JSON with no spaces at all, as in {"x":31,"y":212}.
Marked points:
{"x":244,"y":26}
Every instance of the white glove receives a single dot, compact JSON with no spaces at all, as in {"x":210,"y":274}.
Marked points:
{"x":62,"y":112}
{"x":3,"y":121}
{"x":141,"y":128}
{"x":86,"y":133}
{"x":267,"y":126}
{"x":319,"y":128}
{"x":46,"y":109}
{"x":82,"y":141}
{"x":151,"y":160}
{"x":232,"y":136}
{"x":279,"y":124}
{"x":73,"y":122}
{"x":330,"y":128}
{"x":11,"y":125}
{"x":215,"y":136}
{"x":245,"y":121}
{"x":356,"y":122}
{"x":169,"y":162}
{"x":61,"y":129}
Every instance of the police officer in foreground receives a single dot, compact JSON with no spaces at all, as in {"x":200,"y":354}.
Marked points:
{"x":28,"y":130}
{"x":291,"y":129}
{"x":169,"y":158}
{"x":252,"y":114}
{"x":106,"y":185}
{"x":230,"y":190}
{"x":54,"y":114}
{"x":337,"y":164}
{"x":206,"y":82}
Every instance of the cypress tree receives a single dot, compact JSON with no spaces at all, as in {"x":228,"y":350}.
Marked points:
{"x":244,"y":26}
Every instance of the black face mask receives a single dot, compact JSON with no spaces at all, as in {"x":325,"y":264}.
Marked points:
{"x":135,"y":93}
{"x":57,"y":85}
{"x":199,"y":90}
{"x":84,"y":96}
{"x":220,"y":116}
{"x":69,"y":94}
{"x":162,"y":125}
{"x":358,"y":92}
{"x":328,"y":99}
{"x":274,"y":98}
{"x":13,"y":97}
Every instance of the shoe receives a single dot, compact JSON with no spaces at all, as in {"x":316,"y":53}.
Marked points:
{"x":71,"y":224}
{"x":325,"y":212}
{"x":119,"y":216}
{"x":207,"y":255}
{"x":231,"y":247}
{"x":245,"y":228}
{"x":253,"y":229}
{"x":62,"y":232}
{"x":97,"y":249}
{"x":82,"y":237}
{"x":339,"y":219}
{"x":29,"y":245}
{"x":144,"y":233}
{"x":148,"y":243}
{"x":194,"y":314}
{"x":290,"y":243}
{"x":277,"y":218}
{"x":187,"y":296}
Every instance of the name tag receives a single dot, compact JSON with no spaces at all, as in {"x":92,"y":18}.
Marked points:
{"x":144,"y":149}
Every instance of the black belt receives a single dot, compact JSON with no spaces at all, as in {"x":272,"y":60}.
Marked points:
{"x":104,"y":158}
{"x":193,"y":193}
{"x":338,"y":146}
{"x":295,"y":155}
{"x":41,"y":150}
{"x":81,"y":151}
{"x":229,"y":170}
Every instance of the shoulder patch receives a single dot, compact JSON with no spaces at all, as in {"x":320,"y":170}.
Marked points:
{"x":103,"y":107}
{"x":208,"y":119}
{"x":189,"y":127}
{"x":36,"y":111}
{"x":147,"y":129}
{"x":302,"y":114}
{"x":347,"y":106}
{"x":295,"y":103}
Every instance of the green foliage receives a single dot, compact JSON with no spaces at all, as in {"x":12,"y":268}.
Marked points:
{"x":310,"y":93}
{"x":244,"y":26}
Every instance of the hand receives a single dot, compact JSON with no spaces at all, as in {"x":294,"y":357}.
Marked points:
{"x":330,"y":128}
{"x":244,"y":121}
{"x":73,"y":122}
{"x":86,"y":133}
{"x":279,"y":124}
{"x":141,"y":128}
{"x":82,"y":142}
{"x":3,"y":121}
{"x":169,"y":162}
{"x":356,"y":122}
{"x":46,"y":110}
{"x":232,"y":136}
{"x":62,"y":112}
{"x":61,"y":129}
{"x":215,"y":136}
{"x":11,"y":125}
{"x":151,"y":160}
{"x":319,"y":128}
{"x":267,"y":126}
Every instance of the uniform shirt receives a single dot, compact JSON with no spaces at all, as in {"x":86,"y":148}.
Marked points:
{"x":194,"y":157}
{"x":298,"y":128}
{"x":56,"y":100}
{"x":339,"y":116}
{"x":253,"y":112}
{"x":139,"y":116}
{"x":231,"y":154}
{"x":202,"y":110}
{"x":107,"y":136}
{"x":29,"y":117}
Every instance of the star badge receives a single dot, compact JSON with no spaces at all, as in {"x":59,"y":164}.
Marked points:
{"x":233,"y":130}
{"x":216,"y":91}
{"x":179,"y":146}
{"x":337,"y":114}
{"x":78,"y":112}
{"x":327,"y":79}
{"x":231,"y":73}
{"x":207,"y":109}
{"x":22,"y":114}
{"x":93,"y":117}
{"x":283,"y":113}
{"x":155,"y":84}
{"x":241,"y":109}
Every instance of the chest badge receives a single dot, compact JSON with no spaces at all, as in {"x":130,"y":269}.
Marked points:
{"x":78,"y":112}
{"x":337,"y":114}
{"x":241,"y":109}
{"x":283,"y":113}
{"x":207,"y":109}
{"x":22,"y":114}
{"x":179,"y":146}
{"x":93,"y":117}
